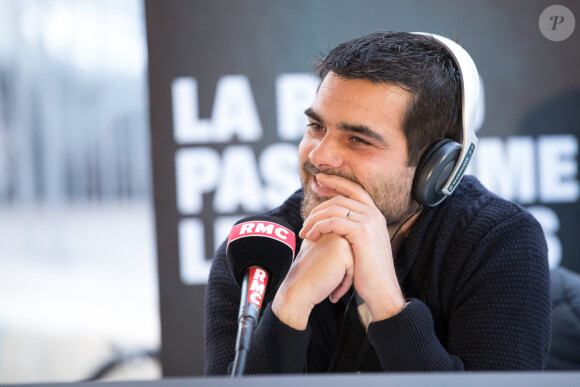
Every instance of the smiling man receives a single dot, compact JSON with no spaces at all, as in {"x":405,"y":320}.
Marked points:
{"x":383,"y":280}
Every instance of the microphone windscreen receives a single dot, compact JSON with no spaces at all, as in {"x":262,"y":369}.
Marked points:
{"x":262,"y":241}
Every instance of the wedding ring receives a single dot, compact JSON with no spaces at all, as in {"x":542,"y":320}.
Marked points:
{"x":347,"y":215}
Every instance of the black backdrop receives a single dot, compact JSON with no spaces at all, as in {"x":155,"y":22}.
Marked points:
{"x":228,"y":84}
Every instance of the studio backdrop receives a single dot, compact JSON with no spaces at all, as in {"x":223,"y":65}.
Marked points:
{"x":229,"y":81}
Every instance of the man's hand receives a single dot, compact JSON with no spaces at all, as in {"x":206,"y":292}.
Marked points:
{"x":323,"y":268}
{"x":366,"y":231}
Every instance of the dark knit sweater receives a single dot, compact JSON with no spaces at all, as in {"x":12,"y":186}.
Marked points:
{"x":475,"y":269}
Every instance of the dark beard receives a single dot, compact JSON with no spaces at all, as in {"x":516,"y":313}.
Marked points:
{"x":312,"y":170}
{"x":378,"y":194}
{"x":308,"y":169}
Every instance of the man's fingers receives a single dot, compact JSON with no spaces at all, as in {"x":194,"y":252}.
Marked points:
{"x":345,"y":187}
{"x":337,"y":226}
{"x":331,"y":211}
{"x":344,"y":286}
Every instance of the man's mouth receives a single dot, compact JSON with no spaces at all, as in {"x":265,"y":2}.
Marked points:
{"x":321,"y":190}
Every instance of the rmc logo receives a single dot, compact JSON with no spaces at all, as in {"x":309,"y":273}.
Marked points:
{"x":259,"y":279}
{"x":263,"y":229}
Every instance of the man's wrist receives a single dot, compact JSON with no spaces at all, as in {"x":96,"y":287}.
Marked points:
{"x":387,"y":309}
{"x":293,"y":314}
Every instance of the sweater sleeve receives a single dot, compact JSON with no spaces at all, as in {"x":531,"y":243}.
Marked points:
{"x":222,"y":299}
{"x":407,"y":342}
{"x":496,"y":308}
{"x":500,"y":306}
{"x":275,"y":348}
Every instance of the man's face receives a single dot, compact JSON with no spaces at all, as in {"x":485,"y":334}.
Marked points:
{"x":355,"y":131}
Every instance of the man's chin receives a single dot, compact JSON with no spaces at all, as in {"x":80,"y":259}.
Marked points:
{"x":311,"y":198}
{"x":309,"y":201}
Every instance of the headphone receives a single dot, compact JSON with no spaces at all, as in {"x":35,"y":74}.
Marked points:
{"x":443,"y":164}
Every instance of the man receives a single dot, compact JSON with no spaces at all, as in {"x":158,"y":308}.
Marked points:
{"x":380,"y":282}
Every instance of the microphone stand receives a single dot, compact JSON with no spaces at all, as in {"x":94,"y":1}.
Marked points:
{"x":247,"y":321}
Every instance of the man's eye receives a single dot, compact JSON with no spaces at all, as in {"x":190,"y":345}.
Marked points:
{"x":359,"y":140}
{"x":314,"y":126}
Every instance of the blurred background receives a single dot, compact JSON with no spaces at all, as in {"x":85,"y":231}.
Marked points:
{"x":78,"y":284}
{"x":134,"y":133}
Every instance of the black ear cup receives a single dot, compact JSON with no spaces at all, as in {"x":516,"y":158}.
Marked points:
{"x":434,"y":170}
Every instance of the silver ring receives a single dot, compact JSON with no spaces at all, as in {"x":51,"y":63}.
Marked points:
{"x":347,"y":215}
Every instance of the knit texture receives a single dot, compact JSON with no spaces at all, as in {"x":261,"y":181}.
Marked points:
{"x":475,"y":269}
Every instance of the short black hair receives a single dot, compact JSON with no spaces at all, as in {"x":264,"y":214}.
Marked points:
{"x":416,"y":63}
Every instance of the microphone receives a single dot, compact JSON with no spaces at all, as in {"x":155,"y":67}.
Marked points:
{"x":259,"y":251}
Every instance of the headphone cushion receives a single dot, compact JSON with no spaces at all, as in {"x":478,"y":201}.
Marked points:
{"x":433,"y":171}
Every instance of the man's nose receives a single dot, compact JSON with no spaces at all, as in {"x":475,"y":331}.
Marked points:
{"x":327,"y":154}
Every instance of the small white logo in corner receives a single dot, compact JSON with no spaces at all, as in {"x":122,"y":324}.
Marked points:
{"x":557,"y":23}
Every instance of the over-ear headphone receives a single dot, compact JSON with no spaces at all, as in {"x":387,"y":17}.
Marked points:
{"x":443,"y":164}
